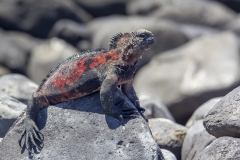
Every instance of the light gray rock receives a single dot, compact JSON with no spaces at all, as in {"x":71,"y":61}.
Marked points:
{"x":4,"y":70}
{"x":196,"y":139}
{"x":202,"y":111}
{"x":46,"y":56}
{"x":168,"y":135}
{"x":166,"y":34}
{"x":80,"y":129}
{"x":221,"y":148}
{"x":223,"y":118}
{"x":155,"y":109}
{"x":0,"y":140}
{"x":168,"y":155}
{"x":186,"y":77}
{"x":14,"y":49}
{"x":10,"y":109}
{"x":234,"y":25}
{"x":194,"y":31}
{"x":18,"y":86}
{"x":207,"y":13}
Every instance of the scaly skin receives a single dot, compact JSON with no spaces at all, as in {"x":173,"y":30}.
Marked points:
{"x":88,"y":72}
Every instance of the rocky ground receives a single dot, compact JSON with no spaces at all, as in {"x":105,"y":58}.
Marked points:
{"x":187,"y":82}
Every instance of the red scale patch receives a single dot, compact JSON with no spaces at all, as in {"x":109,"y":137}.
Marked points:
{"x":62,"y":79}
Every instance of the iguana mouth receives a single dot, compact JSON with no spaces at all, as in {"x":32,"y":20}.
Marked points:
{"x":150,"y":40}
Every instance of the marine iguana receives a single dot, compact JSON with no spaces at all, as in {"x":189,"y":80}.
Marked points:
{"x":88,"y":72}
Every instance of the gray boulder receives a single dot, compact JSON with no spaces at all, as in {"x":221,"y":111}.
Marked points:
{"x":168,"y":155}
{"x":70,"y":31}
{"x":221,"y":148}
{"x":196,"y":139}
{"x":166,"y":34}
{"x":155,"y":109}
{"x":80,"y":129}
{"x":46,"y":56}
{"x":38,"y":18}
{"x":206,"y":13}
{"x":186,"y":77}
{"x":15,"y":48}
{"x":223,"y":118}
{"x":18,"y":86}
{"x":168,"y":135}
{"x":10,"y":109}
{"x":234,"y":25}
{"x":202,"y":111}
{"x":4,"y":70}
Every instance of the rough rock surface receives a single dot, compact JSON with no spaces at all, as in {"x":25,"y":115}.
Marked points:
{"x":10,"y":109}
{"x":46,"y":56}
{"x":223,"y":118}
{"x":166,"y":154}
{"x":166,"y":34}
{"x":155,"y":109}
{"x":18,"y":86}
{"x":38,"y":18}
{"x":222,"y":148}
{"x":202,"y":111}
{"x":168,"y":135}
{"x":196,"y":139}
{"x":80,"y":129}
{"x":186,"y":77}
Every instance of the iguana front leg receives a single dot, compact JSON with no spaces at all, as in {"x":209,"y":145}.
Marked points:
{"x":107,"y":98}
{"x":129,"y":91}
{"x":31,"y":131}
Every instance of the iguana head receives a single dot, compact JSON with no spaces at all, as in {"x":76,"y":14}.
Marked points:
{"x":132,"y":45}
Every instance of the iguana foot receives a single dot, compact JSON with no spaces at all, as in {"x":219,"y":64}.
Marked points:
{"x":30,"y":134}
{"x":126,"y":112}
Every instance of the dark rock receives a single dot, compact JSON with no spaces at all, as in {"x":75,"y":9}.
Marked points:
{"x":168,"y":155}
{"x":38,"y":18}
{"x":223,"y":118}
{"x":104,"y":7}
{"x":46,"y":56}
{"x":168,"y":135}
{"x":10,"y":109}
{"x":80,"y":129}
{"x":233,"y":4}
{"x":203,"y":12}
{"x":186,"y":77}
{"x":155,"y":109}
{"x":202,"y":111}
{"x":14,"y":50}
{"x":196,"y":139}
{"x":18,"y":86}
{"x":166,"y":34}
{"x":70,"y":31}
{"x":222,"y":148}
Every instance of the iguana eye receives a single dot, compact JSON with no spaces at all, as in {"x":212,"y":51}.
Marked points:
{"x":142,"y":35}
